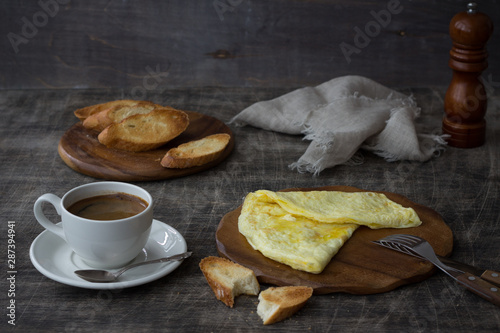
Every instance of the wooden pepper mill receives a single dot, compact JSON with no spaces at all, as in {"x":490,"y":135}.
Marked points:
{"x":465,"y":101}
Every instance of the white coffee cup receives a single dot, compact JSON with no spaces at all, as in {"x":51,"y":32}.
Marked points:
{"x":101,"y":244}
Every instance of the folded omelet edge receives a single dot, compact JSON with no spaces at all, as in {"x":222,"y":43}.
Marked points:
{"x":262,"y":240}
{"x":394,"y":216}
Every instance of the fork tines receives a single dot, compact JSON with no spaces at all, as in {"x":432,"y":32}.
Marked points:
{"x":401,"y":243}
{"x":405,"y":239}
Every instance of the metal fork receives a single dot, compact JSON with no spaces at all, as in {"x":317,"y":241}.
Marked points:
{"x":419,"y":247}
{"x":406,"y":243}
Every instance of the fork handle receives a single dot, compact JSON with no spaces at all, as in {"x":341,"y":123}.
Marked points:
{"x":480,"y":287}
{"x":491,"y":276}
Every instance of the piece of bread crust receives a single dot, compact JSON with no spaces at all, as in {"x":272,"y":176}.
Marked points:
{"x":100,"y":120}
{"x":279,"y":303}
{"x":87,"y":111}
{"x":229,"y":279}
{"x":142,"y":132}
{"x":196,"y":153}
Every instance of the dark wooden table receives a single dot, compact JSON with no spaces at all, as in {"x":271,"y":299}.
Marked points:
{"x":462,"y":185}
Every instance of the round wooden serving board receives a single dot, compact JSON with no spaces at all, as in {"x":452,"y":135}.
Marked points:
{"x":360,"y":267}
{"x":80,"y":150}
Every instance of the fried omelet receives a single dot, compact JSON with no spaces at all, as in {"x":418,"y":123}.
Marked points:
{"x":304,"y":230}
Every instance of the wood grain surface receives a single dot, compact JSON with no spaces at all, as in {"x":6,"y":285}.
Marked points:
{"x":140,"y":46}
{"x":360,"y":267}
{"x":81,"y":150}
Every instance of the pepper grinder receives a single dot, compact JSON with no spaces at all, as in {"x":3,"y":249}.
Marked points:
{"x":466,"y":101}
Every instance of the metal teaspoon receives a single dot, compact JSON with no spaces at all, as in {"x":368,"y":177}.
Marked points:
{"x":97,"y":275}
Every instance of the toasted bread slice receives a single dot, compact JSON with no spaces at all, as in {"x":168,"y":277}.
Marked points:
{"x":279,"y":303}
{"x":195,"y":153}
{"x":85,"y":112}
{"x":100,"y":120}
{"x":143,"y":132}
{"x":229,"y":279}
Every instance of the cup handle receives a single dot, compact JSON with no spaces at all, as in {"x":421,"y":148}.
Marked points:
{"x":42,"y":219}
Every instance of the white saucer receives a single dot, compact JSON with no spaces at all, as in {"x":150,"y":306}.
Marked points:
{"x":53,"y":258}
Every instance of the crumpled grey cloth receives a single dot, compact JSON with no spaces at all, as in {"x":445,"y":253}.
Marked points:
{"x":341,"y":116}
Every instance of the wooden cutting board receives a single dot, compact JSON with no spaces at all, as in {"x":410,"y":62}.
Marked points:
{"x":80,"y":150}
{"x":360,"y":267}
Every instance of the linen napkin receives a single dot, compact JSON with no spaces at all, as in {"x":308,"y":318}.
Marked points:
{"x":341,"y":116}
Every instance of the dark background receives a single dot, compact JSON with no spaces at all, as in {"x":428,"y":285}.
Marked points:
{"x":217,"y":57}
{"x":144,"y":45}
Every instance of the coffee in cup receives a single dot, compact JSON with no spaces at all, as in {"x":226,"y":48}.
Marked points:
{"x":107,"y":224}
{"x":107,"y":207}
